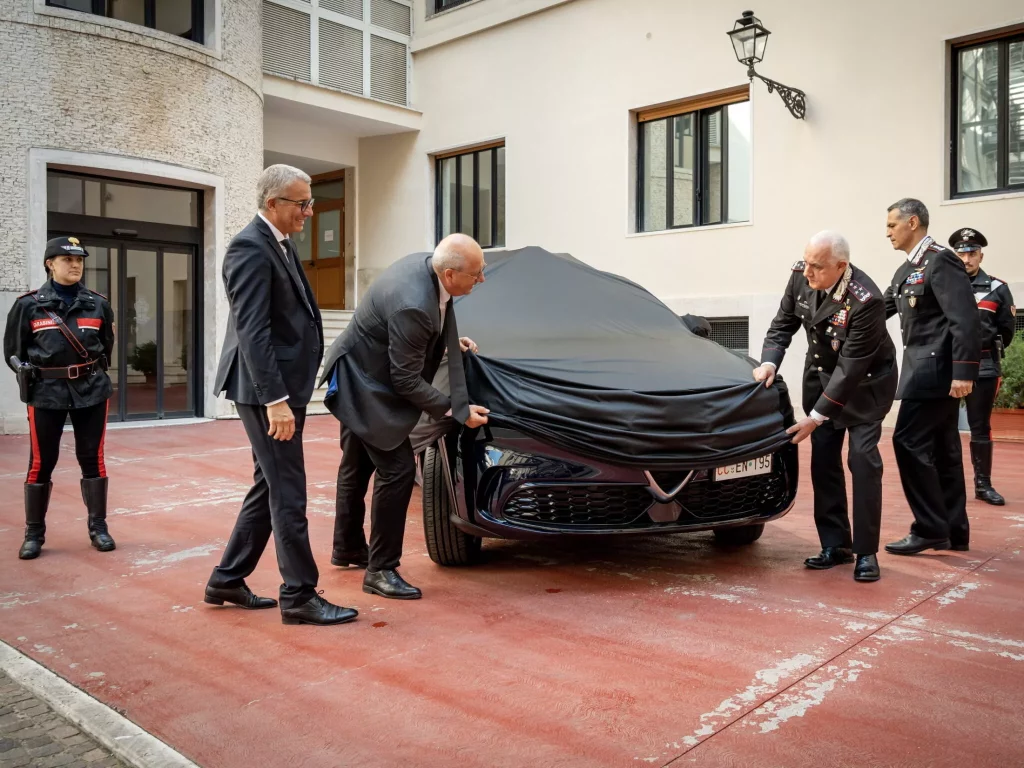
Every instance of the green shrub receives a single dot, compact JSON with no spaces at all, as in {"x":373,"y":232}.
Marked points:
{"x":1011,"y":393}
{"x":143,"y":359}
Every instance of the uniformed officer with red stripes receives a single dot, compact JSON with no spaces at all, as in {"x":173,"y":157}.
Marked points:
{"x":996,"y":313}
{"x":61,"y":337}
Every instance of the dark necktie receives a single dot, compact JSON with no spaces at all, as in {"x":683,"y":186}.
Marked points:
{"x":456,"y":371}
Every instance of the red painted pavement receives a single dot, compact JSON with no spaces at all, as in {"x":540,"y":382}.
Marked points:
{"x":618,"y":652}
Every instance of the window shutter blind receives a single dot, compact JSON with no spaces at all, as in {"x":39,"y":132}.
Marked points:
{"x":286,"y":41}
{"x":388,"y":70}
{"x":341,"y":57}
{"x":391,"y":15}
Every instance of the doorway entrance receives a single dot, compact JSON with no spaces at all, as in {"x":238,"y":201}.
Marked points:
{"x":321,"y":243}
{"x":147,"y":270}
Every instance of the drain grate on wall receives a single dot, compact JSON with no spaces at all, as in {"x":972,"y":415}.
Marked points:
{"x":731,"y":332}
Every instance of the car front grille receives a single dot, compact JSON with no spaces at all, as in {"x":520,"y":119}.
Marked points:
{"x":709,"y":500}
{"x":578,"y":505}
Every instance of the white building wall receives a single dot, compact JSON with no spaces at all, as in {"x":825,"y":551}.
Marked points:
{"x":559,"y":85}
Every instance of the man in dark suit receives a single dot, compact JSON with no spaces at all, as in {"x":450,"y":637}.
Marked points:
{"x":381,"y":371}
{"x":941,"y":349}
{"x":849,"y":384}
{"x":272,"y":349}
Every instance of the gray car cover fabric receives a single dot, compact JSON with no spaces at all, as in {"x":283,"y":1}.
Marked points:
{"x":593,"y":363}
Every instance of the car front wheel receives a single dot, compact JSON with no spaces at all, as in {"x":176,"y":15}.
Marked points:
{"x":739,"y":536}
{"x":446,"y":544}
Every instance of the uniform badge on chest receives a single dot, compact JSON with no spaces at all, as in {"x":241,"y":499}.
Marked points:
{"x":838,"y":320}
{"x":915,"y":278}
{"x":835,"y":345}
{"x":912,"y":301}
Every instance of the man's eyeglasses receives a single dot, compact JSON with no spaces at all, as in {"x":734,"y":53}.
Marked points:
{"x":475,"y":275}
{"x":304,"y":205}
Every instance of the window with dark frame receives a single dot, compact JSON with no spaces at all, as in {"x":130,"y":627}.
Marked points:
{"x":693,"y":162}
{"x":987,"y":139}
{"x":471,"y":195}
{"x":183,"y":18}
{"x":444,"y":5}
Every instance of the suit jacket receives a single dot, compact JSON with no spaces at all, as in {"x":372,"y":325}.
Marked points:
{"x":850,"y":370}
{"x":275,"y":336}
{"x":387,"y":357}
{"x":939,"y":321}
{"x":996,"y":314}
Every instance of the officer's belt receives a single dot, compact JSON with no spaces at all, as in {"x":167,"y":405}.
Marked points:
{"x":70,"y":371}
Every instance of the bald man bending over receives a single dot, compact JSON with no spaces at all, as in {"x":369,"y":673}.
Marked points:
{"x":381,"y":371}
{"x":849,"y":381}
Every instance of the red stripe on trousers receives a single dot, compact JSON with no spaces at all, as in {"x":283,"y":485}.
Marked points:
{"x":103,"y":439}
{"x":37,"y":460}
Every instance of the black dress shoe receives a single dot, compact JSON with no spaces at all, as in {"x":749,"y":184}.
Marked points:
{"x":829,"y":557}
{"x":985,"y":492}
{"x":961,"y":546}
{"x":319,"y":612}
{"x":912,"y":544}
{"x":387,"y":583}
{"x":866,"y":568}
{"x":241,"y":596}
{"x":343,"y":560}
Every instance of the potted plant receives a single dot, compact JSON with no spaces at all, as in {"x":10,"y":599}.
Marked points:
{"x":1008,"y":414}
{"x":143,"y":359}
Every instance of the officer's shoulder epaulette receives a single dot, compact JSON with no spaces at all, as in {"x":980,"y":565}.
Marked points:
{"x":936,"y":247}
{"x":859,"y":292}
{"x":30,"y":293}
{"x":90,"y":290}
{"x":798,"y":266}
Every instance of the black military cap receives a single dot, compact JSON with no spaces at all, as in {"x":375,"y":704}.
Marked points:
{"x":64,"y":246}
{"x":967,"y":239}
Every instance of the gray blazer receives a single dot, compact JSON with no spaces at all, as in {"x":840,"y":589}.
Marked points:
{"x":275,"y":338}
{"x":387,"y":357}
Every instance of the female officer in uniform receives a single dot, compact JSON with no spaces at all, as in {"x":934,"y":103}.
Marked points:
{"x":61,"y":336}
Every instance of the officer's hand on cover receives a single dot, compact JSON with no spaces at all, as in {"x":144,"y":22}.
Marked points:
{"x":765,"y":373}
{"x":282,"y":421}
{"x":961,"y":388}
{"x":802,"y":429}
{"x":477,"y":416}
{"x":468,"y":345}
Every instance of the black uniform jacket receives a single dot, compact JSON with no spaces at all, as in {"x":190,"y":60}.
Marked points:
{"x":996,"y":314}
{"x":850,"y":371}
{"x":275,"y":337}
{"x":35,"y":338}
{"x":939,"y":321}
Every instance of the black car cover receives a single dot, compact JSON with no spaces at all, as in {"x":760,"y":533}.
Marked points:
{"x":595,"y":364}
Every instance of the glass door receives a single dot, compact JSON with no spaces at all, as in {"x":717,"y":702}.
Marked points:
{"x":151,"y":288}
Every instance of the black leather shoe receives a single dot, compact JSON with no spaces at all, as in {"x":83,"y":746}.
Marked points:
{"x":984,"y":491}
{"x":830,"y":557}
{"x":387,"y":583}
{"x":241,"y":596}
{"x":343,"y":560}
{"x":866,"y":568}
{"x":319,"y":612}
{"x":94,"y":494}
{"x":962,"y":546}
{"x":912,"y":544}
{"x":37,"y":498}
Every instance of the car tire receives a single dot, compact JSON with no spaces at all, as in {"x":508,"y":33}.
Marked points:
{"x":446,"y":544}
{"x":738,"y":536}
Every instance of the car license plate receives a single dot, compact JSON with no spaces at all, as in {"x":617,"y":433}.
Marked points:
{"x":762,"y":465}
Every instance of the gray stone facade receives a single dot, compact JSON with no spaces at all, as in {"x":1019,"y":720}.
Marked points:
{"x":73,"y":82}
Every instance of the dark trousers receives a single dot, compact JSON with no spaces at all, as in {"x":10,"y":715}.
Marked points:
{"x":928,"y":453}
{"x":392,"y":490}
{"x":276,"y":504}
{"x":979,"y":409}
{"x":46,"y":426}
{"x":829,"y":481}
